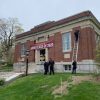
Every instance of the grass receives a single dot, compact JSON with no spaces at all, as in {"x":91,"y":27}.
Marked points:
{"x":40,"y":87}
{"x":83,"y":91}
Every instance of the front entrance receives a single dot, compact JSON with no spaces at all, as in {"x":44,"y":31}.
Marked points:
{"x":41,"y":55}
{"x":41,"y":51}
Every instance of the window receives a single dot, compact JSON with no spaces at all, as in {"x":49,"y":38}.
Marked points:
{"x":41,"y":39}
{"x":97,"y":39}
{"x":23,"y":49}
{"x":67,"y":67}
{"x":66,"y":41}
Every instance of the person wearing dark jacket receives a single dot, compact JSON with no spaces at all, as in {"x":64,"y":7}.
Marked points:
{"x":76,"y":33}
{"x":51,"y":65}
{"x":46,"y":65}
{"x":74,"y":67}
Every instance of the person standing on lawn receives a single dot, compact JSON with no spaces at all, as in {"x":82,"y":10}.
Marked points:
{"x":74,"y":67}
{"x":51,"y":65}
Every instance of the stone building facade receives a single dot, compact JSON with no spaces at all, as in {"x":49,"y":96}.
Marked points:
{"x":56,"y":40}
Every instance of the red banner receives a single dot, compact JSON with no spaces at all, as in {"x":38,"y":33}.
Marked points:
{"x":42,"y":45}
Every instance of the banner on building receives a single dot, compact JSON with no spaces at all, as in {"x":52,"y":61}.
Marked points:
{"x":42,"y":45}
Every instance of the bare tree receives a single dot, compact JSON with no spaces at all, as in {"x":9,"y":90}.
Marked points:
{"x":8,"y":29}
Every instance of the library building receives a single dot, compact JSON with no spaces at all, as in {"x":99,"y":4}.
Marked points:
{"x":73,"y":38}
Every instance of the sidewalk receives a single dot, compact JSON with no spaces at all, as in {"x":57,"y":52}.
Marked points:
{"x":8,"y":76}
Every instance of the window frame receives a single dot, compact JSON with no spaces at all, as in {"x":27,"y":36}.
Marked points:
{"x":67,"y":67}
{"x":23,"y":49}
{"x":63,"y":35}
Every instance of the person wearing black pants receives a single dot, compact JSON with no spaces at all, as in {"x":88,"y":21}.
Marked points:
{"x":46,"y":65}
{"x":51,"y":65}
{"x":74,"y":67}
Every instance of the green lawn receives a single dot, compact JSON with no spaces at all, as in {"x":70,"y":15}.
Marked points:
{"x":40,"y":87}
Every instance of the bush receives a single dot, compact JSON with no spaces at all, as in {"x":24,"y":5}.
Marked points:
{"x":9,"y":64}
{"x":2,"y":82}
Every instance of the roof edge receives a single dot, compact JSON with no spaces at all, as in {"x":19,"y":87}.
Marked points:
{"x":50,"y":24}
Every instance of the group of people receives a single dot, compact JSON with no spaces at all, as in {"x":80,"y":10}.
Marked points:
{"x":49,"y":67}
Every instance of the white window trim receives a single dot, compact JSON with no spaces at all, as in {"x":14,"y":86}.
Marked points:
{"x":70,"y":43}
{"x":22,"y":55}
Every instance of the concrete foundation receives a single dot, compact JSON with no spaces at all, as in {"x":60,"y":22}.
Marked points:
{"x":86,"y":66}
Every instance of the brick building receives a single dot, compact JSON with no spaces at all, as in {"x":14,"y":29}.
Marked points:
{"x":56,"y":40}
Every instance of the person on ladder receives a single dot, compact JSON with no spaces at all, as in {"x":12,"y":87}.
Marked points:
{"x":74,"y":61}
{"x":76,"y":33}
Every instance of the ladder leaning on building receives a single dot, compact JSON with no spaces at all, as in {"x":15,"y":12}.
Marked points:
{"x":75,"y":49}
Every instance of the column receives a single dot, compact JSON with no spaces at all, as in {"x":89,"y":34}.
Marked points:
{"x":37,"y":56}
{"x":46,"y":54}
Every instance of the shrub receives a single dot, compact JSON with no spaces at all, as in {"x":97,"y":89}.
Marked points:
{"x":9,"y":65}
{"x":2,"y":82}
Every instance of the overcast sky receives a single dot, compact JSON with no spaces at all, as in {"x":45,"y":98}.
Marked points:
{"x":33,"y":12}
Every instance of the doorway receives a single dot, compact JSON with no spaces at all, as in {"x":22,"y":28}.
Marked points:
{"x":42,"y":55}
